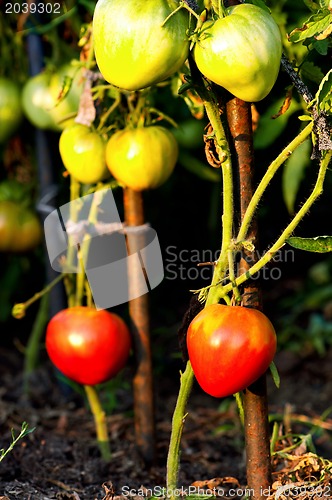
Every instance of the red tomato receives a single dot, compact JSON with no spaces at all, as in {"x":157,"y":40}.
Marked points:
{"x":229,"y":348}
{"x":86,"y":345}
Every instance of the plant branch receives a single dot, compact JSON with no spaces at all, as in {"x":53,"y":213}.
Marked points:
{"x":100,"y":421}
{"x":272,"y":169}
{"x":173,"y":457}
{"x":268,"y":256}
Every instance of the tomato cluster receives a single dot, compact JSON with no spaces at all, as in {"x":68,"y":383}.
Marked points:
{"x":139,"y":158}
{"x":139,"y":43}
{"x":230,"y":347}
{"x":86,"y":345}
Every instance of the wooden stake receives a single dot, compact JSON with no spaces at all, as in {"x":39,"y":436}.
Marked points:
{"x":139,"y":316}
{"x":255,"y":397}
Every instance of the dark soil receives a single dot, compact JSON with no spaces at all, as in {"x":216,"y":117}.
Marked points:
{"x":60,"y":459}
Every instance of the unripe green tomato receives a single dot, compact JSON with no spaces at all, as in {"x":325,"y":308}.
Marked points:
{"x":241,"y":52}
{"x":83,"y":154}
{"x":40,"y":99}
{"x":10,"y":108}
{"x":142,"y":158}
{"x":133,"y":48}
{"x":37,"y":101}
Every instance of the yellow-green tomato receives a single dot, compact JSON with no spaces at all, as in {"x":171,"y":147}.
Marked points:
{"x":37,"y":101}
{"x":83,"y":154}
{"x":40,"y":98}
{"x":142,"y":158}
{"x":10,"y":108}
{"x":134,"y":46}
{"x":241,"y":52}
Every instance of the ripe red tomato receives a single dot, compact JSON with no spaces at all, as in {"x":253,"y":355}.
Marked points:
{"x":86,"y":345}
{"x":83,"y":154}
{"x":229,"y":348}
{"x":241,"y":52}
{"x":134,"y":48}
{"x":142,"y":158}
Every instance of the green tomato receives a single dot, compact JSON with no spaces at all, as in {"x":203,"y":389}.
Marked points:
{"x":40,"y":99}
{"x":83,"y":154}
{"x":133,"y":48}
{"x":142,"y":158}
{"x":10,"y":108}
{"x":37,"y":101}
{"x":241,"y":52}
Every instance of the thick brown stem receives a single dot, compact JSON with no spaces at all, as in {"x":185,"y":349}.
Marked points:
{"x":255,"y":397}
{"x":139,"y":316}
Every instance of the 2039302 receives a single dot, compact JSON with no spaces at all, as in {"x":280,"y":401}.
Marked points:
{"x":32,"y":8}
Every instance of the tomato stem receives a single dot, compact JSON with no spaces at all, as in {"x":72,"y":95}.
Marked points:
{"x":268,"y":256}
{"x":272,"y":169}
{"x":213,"y":112}
{"x":179,"y":415}
{"x":19,"y":310}
{"x":100,"y":421}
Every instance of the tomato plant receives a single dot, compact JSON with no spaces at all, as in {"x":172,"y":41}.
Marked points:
{"x":86,"y":345}
{"x":241,"y":52}
{"x":142,"y":158}
{"x":20,"y":229}
{"x":229,"y":348}
{"x":134,"y":48}
{"x":40,"y":99}
{"x":10,"y":108}
{"x":83,"y":154}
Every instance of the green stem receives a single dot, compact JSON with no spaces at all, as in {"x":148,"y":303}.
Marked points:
{"x":85,"y":246}
{"x":75,"y":190}
{"x":179,"y":415}
{"x":232,"y":277}
{"x":100,"y":421}
{"x":316,"y":192}
{"x":272,"y":169}
{"x":227,"y":218}
{"x":33,"y":345}
{"x":19,"y":310}
{"x":213,"y":113}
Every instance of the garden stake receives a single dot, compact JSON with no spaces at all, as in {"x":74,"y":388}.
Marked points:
{"x":256,"y":425}
{"x":139,"y":317}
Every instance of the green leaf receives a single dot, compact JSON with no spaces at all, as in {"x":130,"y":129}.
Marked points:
{"x":275,"y":374}
{"x":324,"y":94}
{"x":319,"y":244}
{"x":261,"y":4}
{"x":316,"y":24}
{"x":269,"y":128}
{"x":199,"y":168}
{"x":293,"y":173}
{"x":324,"y":4}
{"x":313,"y":6}
{"x":309,"y":71}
